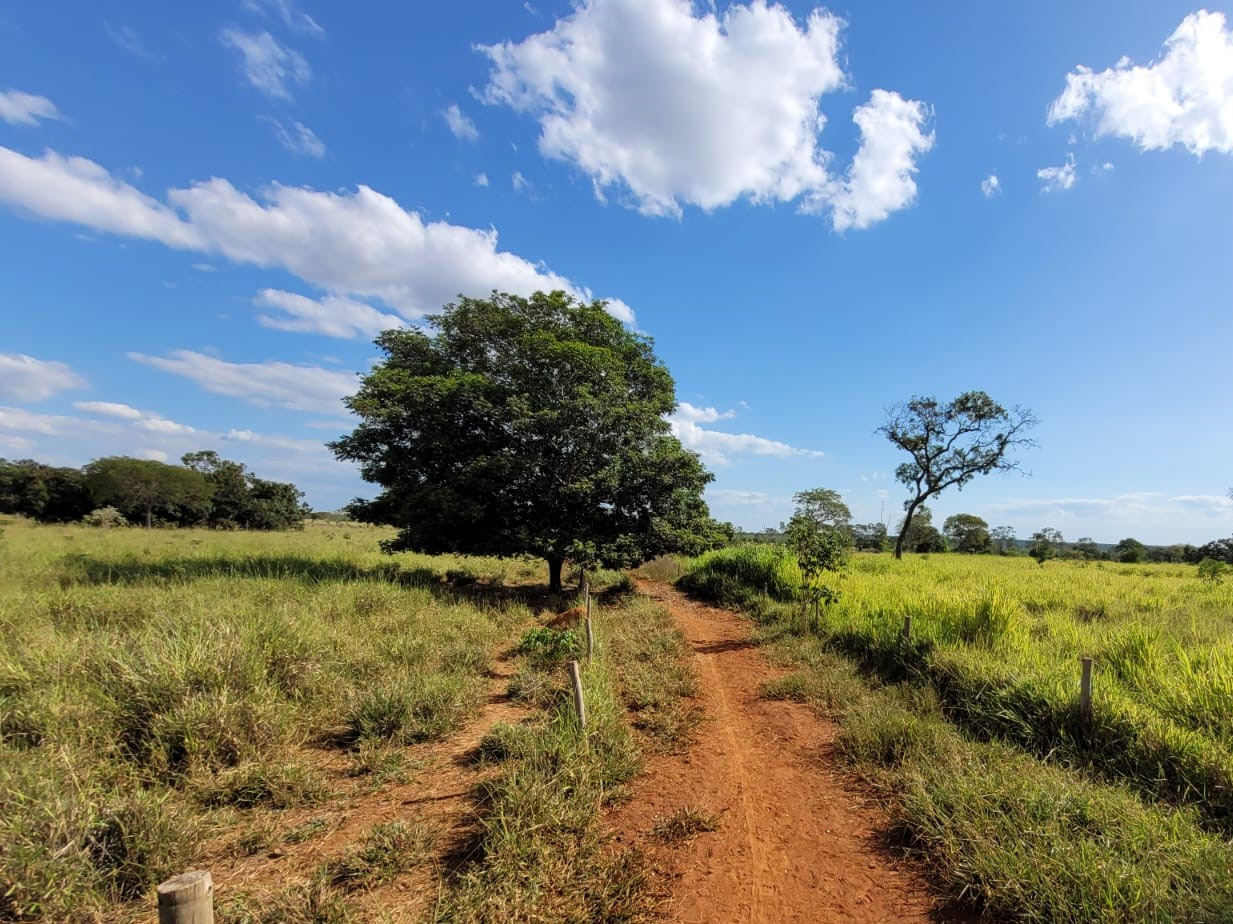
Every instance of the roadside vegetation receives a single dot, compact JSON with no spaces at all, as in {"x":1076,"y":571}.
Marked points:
{"x":178,"y":695}
{"x":540,"y":853}
{"x":1021,"y":804}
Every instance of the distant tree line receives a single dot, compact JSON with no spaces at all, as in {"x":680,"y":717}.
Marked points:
{"x":205,"y":490}
{"x":967,"y":533}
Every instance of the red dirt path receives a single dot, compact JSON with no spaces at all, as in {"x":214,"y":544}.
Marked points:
{"x":794,"y":843}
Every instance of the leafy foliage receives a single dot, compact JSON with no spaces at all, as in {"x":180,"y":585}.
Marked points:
{"x":967,"y":533}
{"x":527,"y":426}
{"x":1044,"y":544}
{"x":43,"y":492}
{"x":144,"y":488}
{"x":952,"y":443}
{"x":241,"y":500}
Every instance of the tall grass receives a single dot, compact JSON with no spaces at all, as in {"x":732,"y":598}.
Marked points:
{"x":153,"y":684}
{"x":1024,"y":805}
{"x":540,"y":854}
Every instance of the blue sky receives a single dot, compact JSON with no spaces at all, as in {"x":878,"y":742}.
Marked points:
{"x":208,"y":210}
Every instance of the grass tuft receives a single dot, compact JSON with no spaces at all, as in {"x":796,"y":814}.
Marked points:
{"x":685,"y":824}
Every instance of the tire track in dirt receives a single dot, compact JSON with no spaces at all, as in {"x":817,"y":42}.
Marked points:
{"x":794,"y":843}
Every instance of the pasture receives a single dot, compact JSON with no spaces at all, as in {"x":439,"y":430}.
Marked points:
{"x":184,"y":697}
{"x":971,"y":724}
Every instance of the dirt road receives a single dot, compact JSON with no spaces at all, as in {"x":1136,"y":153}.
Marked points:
{"x":794,"y":842}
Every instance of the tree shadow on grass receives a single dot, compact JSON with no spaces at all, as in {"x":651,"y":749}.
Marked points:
{"x":81,"y":569}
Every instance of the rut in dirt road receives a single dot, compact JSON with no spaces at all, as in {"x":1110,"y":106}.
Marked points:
{"x":794,"y":843}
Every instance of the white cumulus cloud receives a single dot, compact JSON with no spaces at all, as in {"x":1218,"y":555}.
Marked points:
{"x":19,"y":108}
{"x":880,"y":180}
{"x":79,"y":190}
{"x":1054,"y":179}
{"x":991,"y":186}
{"x":693,"y":414}
{"x":1184,"y":97}
{"x":668,"y":108}
{"x":360,"y":243}
{"x":270,"y":67}
{"x":718,"y":448}
{"x":24,"y":378}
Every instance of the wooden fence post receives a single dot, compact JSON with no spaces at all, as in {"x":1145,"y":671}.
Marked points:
{"x":187,"y":899}
{"x":907,"y":629}
{"x":580,"y":706}
{"x":1085,"y":689}
{"x":590,"y":633}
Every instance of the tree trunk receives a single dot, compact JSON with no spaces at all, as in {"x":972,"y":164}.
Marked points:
{"x":903,"y":530}
{"x":554,"y":574}
{"x":149,"y":518}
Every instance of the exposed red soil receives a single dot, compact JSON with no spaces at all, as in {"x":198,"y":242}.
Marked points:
{"x":795,"y":840}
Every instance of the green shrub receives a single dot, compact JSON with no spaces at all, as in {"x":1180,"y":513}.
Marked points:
{"x":731,"y":576}
{"x":545,"y":646}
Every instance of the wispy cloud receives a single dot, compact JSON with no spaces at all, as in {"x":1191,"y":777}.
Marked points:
{"x":24,"y":378}
{"x":297,"y":138}
{"x":265,"y":384}
{"x":991,"y":186}
{"x":127,"y":38}
{"x":287,"y":13}
{"x":461,"y":125}
{"x":331,"y":316}
{"x":1056,"y":179}
{"x":267,"y":65}
{"x":18,"y":108}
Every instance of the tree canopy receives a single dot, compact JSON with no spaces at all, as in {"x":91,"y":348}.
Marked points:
{"x":206,"y":490}
{"x":142,"y":488}
{"x":825,"y":507}
{"x":967,"y":532}
{"x":951,"y":443}
{"x":241,"y":500}
{"x":526,"y":426}
{"x":819,"y":531}
{"x":1045,"y":544}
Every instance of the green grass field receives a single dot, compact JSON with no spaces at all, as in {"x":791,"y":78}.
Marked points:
{"x":1024,"y":805}
{"x":162,"y":692}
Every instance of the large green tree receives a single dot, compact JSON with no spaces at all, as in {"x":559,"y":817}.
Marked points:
{"x":951,"y":443}
{"x":143,"y":489}
{"x":526,"y":426}
{"x":825,"y":507}
{"x":241,"y":500}
{"x":967,"y":532}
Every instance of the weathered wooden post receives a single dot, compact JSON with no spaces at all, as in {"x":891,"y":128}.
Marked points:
{"x":580,"y":706}
{"x":590,"y":634}
{"x":187,"y":899}
{"x":907,"y":629}
{"x":1085,"y":689}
